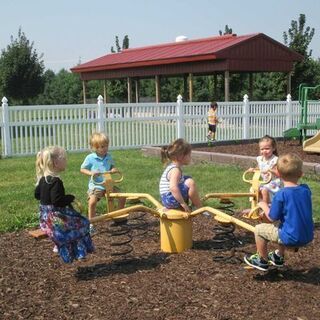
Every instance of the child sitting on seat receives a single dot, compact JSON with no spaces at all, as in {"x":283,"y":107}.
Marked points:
{"x":67,"y":228}
{"x":266,"y":163}
{"x":175,"y":188}
{"x":292,"y":207}
{"x":94,"y":165}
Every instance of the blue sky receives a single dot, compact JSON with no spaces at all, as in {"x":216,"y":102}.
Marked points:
{"x":69,"y":31}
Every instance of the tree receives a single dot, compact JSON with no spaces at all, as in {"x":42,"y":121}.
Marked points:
{"x":273,"y":86}
{"x":299,"y":38}
{"x":125,"y":44}
{"x":21,"y":70}
{"x":117,"y":89}
{"x":227,"y":30}
{"x":63,"y":88}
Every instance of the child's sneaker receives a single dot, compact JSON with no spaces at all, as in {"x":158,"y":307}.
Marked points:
{"x":256,"y":262}
{"x":275,"y":259}
{"x":206,"y":214}
{"x":92,"y":229}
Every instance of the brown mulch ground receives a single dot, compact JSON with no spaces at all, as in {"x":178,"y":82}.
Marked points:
{"x":208,"y":281}
{"x":149,"y":284}
{"x":252,"y":149}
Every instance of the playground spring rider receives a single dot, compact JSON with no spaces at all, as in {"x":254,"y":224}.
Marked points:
{"x":303,"y":125}
{"x":256,"y":181}
{"x":175,"y":225}
{"x":110,"y":178}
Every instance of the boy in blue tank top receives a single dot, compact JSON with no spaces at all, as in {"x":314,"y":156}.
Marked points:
{"x":292,"y":207}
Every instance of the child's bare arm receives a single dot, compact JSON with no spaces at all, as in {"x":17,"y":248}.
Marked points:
{"x":88,"y":172}
{"x":265,"y":208}
{"x":85,"y":171}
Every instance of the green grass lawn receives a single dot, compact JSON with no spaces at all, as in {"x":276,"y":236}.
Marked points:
{"x":18,"y":208}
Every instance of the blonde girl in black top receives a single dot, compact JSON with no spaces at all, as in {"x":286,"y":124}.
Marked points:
{"x":67,"y":228}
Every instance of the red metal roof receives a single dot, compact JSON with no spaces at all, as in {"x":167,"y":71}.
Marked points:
{"x":218,"y":47}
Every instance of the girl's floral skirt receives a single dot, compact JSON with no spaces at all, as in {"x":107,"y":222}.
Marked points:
{"x":68,"y":229}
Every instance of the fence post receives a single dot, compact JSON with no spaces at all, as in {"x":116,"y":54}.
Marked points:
{"x":289,"y":112}
{"x":101,"y":114}
{"x":6,"y":131}
{"x":245,"y":118}
{"x":180,"y":117}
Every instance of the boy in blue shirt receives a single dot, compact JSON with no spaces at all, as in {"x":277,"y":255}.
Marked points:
{"x":292,"y":207}
{"x":96,"y":163}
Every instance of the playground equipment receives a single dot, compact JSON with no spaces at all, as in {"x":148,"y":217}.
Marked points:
{"x":313,"y":144}
{"x":176,"y":225}
{"x":256,"y":181}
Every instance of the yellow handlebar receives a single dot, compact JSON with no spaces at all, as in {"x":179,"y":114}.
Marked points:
{"x":107,"y":176}
{"x":256,"y":176}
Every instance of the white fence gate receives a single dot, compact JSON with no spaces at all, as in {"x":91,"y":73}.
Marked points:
{"x":27,"y":129}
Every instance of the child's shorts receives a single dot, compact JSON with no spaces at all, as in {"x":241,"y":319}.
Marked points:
{"x":268,"y":232}
{"x":99,"y":193}
{"x":170,"y":202}
{"x":212,"y":127}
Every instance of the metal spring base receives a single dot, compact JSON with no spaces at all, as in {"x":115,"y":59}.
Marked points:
{"x":122,"y":233}
{"x":120,"y":238}
{"x":225,"y":238}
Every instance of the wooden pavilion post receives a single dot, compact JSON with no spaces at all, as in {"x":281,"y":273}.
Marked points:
{"x":129,"y":85}
{"x":251,"y":85}
{"x":84,"y":91}
{"x":137,"y":87}
{"x":289,"y":82}
{"x":185,"y":87}
{"x":215,"y":80}
{"x":190,"y":87}
{"x":226,"y":85}
{"x":157,"y":82}
{"x":105,"y":91}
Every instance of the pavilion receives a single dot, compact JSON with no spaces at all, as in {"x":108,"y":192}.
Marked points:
{"x":225,"y":54}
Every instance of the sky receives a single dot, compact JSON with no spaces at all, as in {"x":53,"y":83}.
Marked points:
{"x":67,"y":32}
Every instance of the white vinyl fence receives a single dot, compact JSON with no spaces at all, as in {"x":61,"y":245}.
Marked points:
{"x":27,"y":129}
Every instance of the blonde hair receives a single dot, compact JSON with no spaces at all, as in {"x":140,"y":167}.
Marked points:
{"x":45,"y":161}
{"x":289,"y":166}
{"x":175,"y":150}
{"x":97,"y":139}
